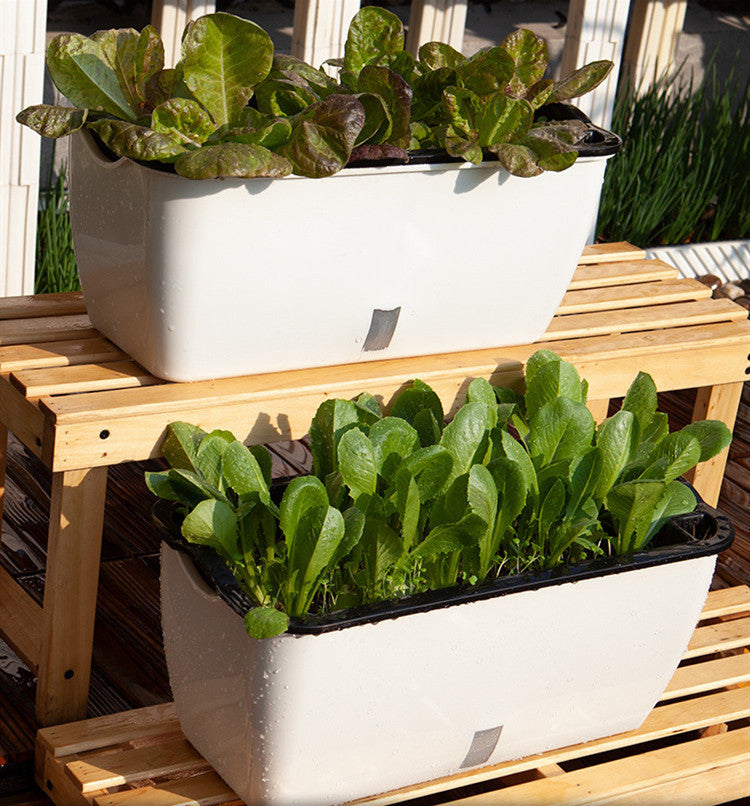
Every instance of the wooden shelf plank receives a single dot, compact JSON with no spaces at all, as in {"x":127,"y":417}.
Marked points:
{"x":708,"y":676}
{"x":205,"y":789}
{"x":47,"y":328}
{"x":715,"y":637}
{"x":649,"y":318}
{"x":42,"y":305}
{"x":661,"y":292}
{"x":96,"y":772}
{"x":597,"y":275}
{"x":103,"y":731}
{"x":727,"y":602}
{"x":58,"y":354}
{"x":608,"y":252}
{"x":604,"y":782}
{"x":84,"y":378}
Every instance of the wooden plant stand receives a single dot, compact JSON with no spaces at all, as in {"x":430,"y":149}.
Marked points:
{"x":80,"y":404}
{"x":141,"y":757}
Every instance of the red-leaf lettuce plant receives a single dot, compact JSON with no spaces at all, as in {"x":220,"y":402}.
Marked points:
{"x":230,"y":108}
{"x":402,"y":503}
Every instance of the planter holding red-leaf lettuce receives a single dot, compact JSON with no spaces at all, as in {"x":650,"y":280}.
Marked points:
{"x":431,"y":597}
{"x":431,"y":206}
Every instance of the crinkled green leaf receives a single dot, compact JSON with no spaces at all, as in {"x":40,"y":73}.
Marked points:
{"x":431,"y":468}
{"x":466,"y":435}
{"x":552,"y":507}
{"x":302,"y":494}
{"x":548,"y":381}
{"x":357,"y":463}
{"x":551,"y":154}
{"x":136,"y":58}
{"x":180,"y":446}
{"x":161,"y":485}
{"x":712,"y":436}
{"x":224,"y":58}
{"x":378,"y":124}
{"x":242,"y":472}
{"x":396,"y":95}
{"x":517,"y":160}
{"x":458,"y":146}
{"x":259,"y":129}
{"x":678,"y":499}
{"x":632,"y":506}
{"x":320,"y":533}
{"x":184,"y":119}
{"x":676,"y":454}
{"x":615,"y":443}
{"x":324,"y":135}
{"x":209,"y":454}
{"x":238,"y":160}
{"x":641,"y":400}
{"x":52,"y":121}
{"x":487,"y":71}
{"x":427,"y":103}
{"x":285,"y":96}
{"x":529,"y":55}
{"x":502,"y":118}
{"x":417,"y":397}
{"x":137,"y":142}
{"x":332,"y":419}
{"x":444,"y":539}
{"x":392,"y":439}
{"x":375,"y":35}
{"x":213,"y":523}
{"x":323,"y":84}
{"x":538,"y":94}
{"x":463,"y":108}
{"x":81,"y":71}
{"x":580,"y":81}
{"x":560,"y":430}
{"x":161,"y":86}
{"x":265,"y":622}
{"x":515,"y":452}
{"x":435,"y":55}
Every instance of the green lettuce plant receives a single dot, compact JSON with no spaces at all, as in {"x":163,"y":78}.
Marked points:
{"x":399,"y":502}
{"x":231,"y":108}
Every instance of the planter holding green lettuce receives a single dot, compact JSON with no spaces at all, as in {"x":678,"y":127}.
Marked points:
{"x":440,"y":171}
{"x":432,"y":597}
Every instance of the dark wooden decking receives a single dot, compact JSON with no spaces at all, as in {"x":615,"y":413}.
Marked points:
{"x":129,"y":669}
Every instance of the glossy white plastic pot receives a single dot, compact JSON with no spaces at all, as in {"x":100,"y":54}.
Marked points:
{"x":382,"y":699}
{"x":215,"y":278}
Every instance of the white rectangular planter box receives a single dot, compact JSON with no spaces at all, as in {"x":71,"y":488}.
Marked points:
{"x":215,"y":278}
{"x":430,"y":689}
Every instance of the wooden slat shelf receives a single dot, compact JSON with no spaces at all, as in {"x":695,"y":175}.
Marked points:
{"x":140,"y":757}
{"x":80,"y":405}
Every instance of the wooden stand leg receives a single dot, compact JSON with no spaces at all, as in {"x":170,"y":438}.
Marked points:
{"x":599,"y":409}
{"x":714,"y":403}
{"x":73,"y":554}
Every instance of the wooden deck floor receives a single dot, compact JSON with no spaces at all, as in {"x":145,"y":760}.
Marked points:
{"x":129,"y":669}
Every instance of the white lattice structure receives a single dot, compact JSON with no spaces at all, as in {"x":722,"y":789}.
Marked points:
{"x":653,"y":34}
{"x":22,"y":34}
{"x":596,"y":30}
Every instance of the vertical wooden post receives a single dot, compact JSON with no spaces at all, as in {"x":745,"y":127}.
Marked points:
{"x":651,"y":45}
{"x":22,"y":44}
{"x":320,"y":28}
{"x":73,"y":555}
{"x":170,"y":17}
{"x":436,"y":20}
{"x":714,"y":403}
{"x":599,"y":410}
{"x":596,"y":30}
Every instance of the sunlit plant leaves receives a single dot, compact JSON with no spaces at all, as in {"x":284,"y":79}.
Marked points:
{"x":238,"y":160}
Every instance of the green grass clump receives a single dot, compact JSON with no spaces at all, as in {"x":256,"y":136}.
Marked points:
{"x":683,"y":173}
{"x":56,"y":269}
